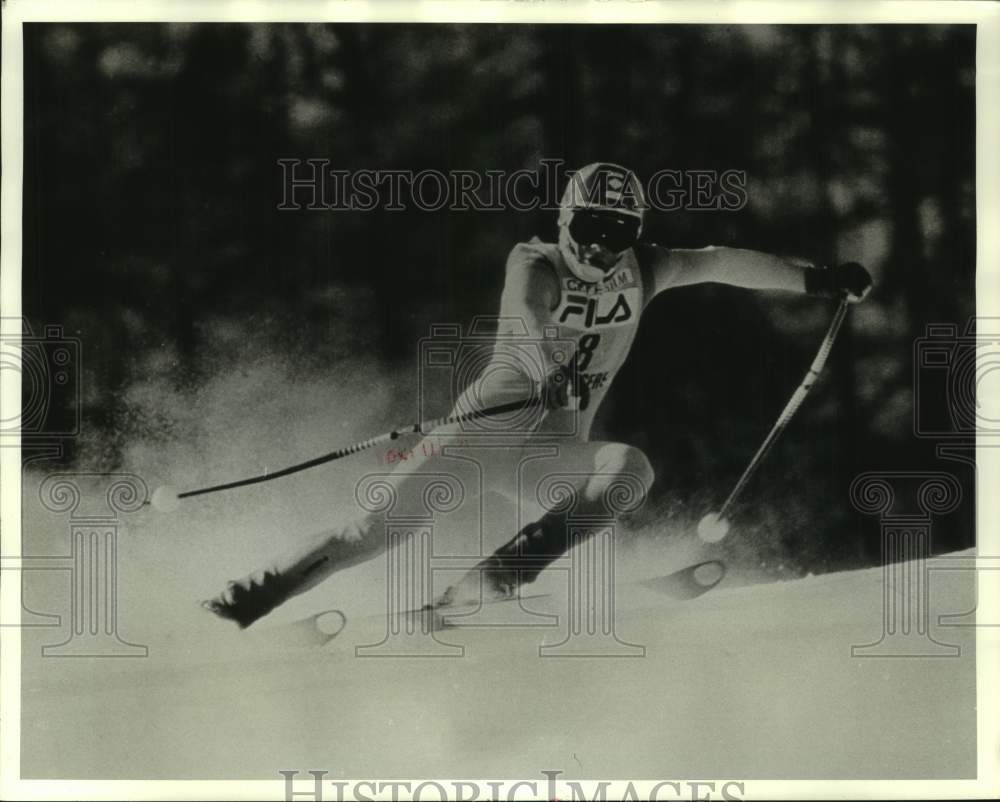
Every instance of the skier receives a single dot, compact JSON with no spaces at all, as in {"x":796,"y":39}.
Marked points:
{"x":591,"y":286}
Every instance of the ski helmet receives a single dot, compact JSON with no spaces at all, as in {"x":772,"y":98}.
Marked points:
{"x":600,"y":217}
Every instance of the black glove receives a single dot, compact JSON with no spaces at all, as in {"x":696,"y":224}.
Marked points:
{"x":849,"y":279}
{"x":563,"y":384}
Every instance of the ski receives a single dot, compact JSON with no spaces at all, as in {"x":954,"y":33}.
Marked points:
{"x":319,"y":629}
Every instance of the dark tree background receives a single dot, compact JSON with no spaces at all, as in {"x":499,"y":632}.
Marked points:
{"x":152,"y":186}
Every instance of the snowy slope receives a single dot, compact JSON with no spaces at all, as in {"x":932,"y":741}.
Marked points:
{"x":746,"y":682}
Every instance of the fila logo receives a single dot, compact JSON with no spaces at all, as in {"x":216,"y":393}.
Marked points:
{"x":605,"y":310}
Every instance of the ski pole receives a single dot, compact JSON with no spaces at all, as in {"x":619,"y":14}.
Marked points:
{"x":165,"y":498}
{"x":713,"y":527}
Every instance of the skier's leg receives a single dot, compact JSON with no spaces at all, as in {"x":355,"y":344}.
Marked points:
{"x":356,"y":541}
{"x":603,"y":468}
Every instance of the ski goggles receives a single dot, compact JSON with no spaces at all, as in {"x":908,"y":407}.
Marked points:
{"x":616,"y":232}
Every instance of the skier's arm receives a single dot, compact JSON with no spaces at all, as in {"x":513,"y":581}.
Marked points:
{"x":530,"y":293}
{"x":754,"y":270}
{"x":525,"y":364}
{"x":734,"y":266}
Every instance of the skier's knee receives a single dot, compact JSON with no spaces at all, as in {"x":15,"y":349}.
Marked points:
{"x":627,"y":461}
{"x":622,"y":479}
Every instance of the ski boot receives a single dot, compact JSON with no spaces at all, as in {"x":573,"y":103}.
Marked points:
{"x":254,"y":596}
{"x":516,"y":563}
{"x":248,"y":599}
